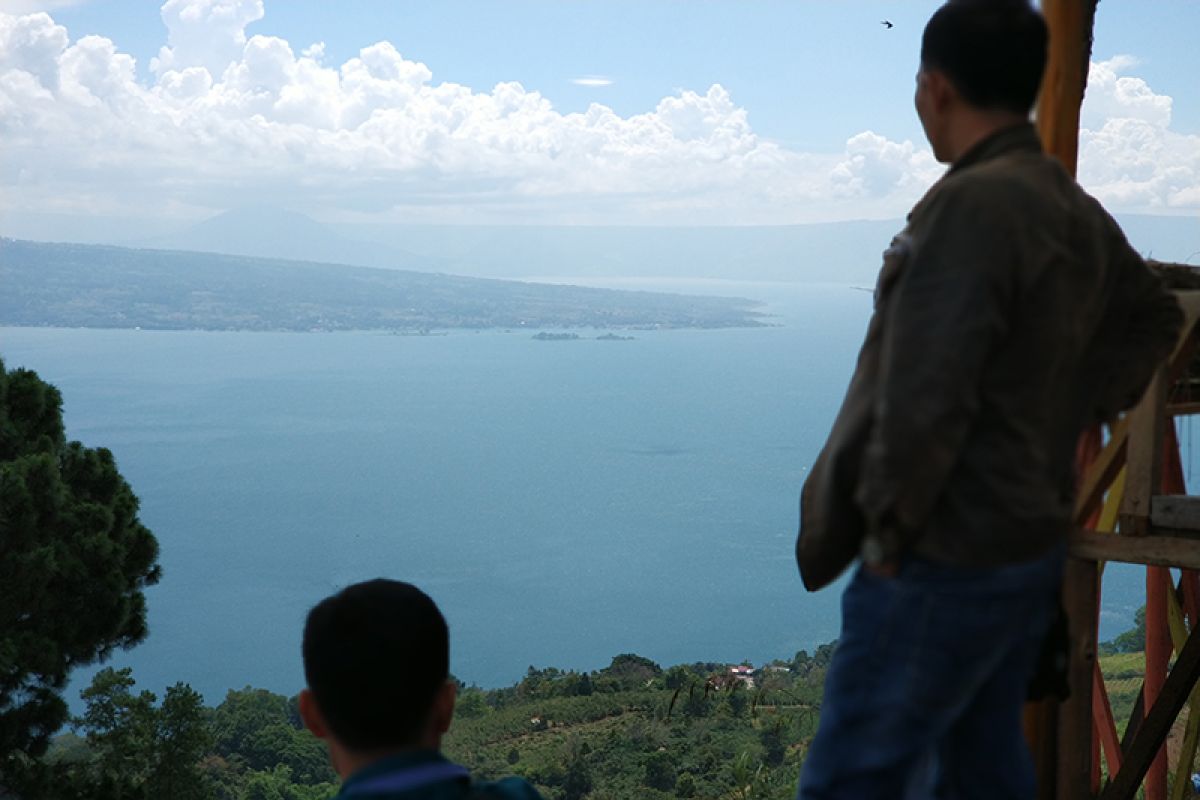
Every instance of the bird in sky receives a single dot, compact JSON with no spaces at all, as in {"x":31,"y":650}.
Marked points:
{"x":887,"y":24}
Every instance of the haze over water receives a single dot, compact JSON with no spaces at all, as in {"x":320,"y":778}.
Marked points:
{"x":563,"y":501}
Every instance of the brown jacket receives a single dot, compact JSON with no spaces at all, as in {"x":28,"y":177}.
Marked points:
{"x":1009,"y":314}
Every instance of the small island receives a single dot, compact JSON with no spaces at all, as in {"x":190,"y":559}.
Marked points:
{"x":612,"y":337}
{"x":556,"y":337}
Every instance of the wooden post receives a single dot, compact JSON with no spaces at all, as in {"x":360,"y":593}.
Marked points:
{"x":1077,"y":744}
{"x":1144,"y":457}
{"x":1070,"y":26}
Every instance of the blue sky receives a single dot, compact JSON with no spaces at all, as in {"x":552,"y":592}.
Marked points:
{"x":799,"y":81}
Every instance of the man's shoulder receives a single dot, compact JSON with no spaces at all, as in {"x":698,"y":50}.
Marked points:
{"x":1012,"y":176}
{"x":1014,"y":191}
{"x":512,"y":788}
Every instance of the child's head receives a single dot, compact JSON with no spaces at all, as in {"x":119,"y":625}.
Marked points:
{"x":376,"y":659}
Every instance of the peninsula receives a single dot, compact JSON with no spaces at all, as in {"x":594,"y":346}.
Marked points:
{"x":94,"y":286}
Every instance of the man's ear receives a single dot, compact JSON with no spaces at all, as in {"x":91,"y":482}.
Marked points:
{"x":310,"y":712}
{"x":443,"y":706}
{"x":941,"y":91}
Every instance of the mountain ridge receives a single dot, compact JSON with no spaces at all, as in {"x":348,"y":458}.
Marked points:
{"x":105,"y":286}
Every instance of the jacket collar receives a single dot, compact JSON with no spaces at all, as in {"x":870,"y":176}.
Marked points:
{"x":393,"y":763}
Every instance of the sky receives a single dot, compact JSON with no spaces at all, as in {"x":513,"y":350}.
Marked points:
{"x":598,"y":112}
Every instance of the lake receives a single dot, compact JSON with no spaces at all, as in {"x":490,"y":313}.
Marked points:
{"x":563,"y":501}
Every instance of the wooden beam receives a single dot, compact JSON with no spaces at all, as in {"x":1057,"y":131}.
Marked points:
{"x":1081,"y":591}
{"x":1102,"y":472}
{"x":1162,"y":551}
{"x":1175,"y":512}
{"x":1183,"y":409}
{"x":1143,"y":456}
{"x":1153,"y":731}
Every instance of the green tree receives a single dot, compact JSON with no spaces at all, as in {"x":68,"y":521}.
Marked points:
{"x":631,"y":665}
{"x":577,"y":779}
{"x":238,"y":722}
{"x":1132,"y":640}
{"x":138,"y":750}
{"x":774,"y":748}
{"x":746,"y":777}
{"x":120,"y":727}
{"x":73,"y":562}
{"x":471,"y":703}
{"x":678,"y":676}
{"x":182,"y":738}
{"x":660,"y":772}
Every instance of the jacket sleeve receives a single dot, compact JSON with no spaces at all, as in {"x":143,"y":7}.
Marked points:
{"x":1137,"y":331}
{"x":946,"y":314}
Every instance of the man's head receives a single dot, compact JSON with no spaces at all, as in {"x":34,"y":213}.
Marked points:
{"x":981,"y":59}
{"x":376,"y":659}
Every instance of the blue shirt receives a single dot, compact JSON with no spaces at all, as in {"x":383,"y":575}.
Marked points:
{"x":427,"y":775}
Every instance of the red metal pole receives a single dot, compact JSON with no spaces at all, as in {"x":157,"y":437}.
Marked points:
{"x":1158,"y":654}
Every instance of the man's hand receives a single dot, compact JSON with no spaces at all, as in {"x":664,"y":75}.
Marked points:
{"x":886,"y":569}
{"x":876,"y":557}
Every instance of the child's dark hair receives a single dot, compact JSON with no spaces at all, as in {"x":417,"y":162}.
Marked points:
{"x":993,"y":51}
{"x":375,"y":655}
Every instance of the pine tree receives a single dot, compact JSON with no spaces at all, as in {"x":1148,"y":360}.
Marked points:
{"x":74,"y":559}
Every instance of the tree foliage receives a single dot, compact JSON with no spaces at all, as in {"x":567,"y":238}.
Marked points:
{"x":1132,"y":640}
{"x":74,"y":559}
{"x":139,"y":750}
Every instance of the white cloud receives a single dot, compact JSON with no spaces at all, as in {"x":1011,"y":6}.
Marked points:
{"x":230,"y":119}
{"x":592,"y":81}
{"x":876,"y":166}
{"x":205,"y":33}
{"x":1128,"y":155}
{"x":32,"y":44}
{"x":34,"y":6}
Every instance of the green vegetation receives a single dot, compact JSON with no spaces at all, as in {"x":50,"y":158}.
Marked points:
{"x":629,"y":730}
{"x":74,"y":562}
{"x":634,"y":730}
{"x":250,"y":747}
{"x":1132,"y":640}
{"x":91,"y":286}
{"x":1123,"y":666}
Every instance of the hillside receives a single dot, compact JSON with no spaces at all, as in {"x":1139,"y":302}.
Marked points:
{"x":72,"y":285}
{"x":630,"y":730}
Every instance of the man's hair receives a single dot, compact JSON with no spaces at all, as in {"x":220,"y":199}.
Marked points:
{"x":993,"y":51}
{"x":375,"y":655}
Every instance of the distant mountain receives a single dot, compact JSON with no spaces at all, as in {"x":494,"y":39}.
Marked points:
{"x":96,"y":286}
{"x":841,"y":252}
{"x":274,"y":233}
{"x":838,"y":252}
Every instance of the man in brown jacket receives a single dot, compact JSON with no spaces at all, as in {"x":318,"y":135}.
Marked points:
{"x":1010,"y":314}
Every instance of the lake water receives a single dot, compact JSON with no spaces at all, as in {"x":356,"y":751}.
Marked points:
{"x":562,"y":501}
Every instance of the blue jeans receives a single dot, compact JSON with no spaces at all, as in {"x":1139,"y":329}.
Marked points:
{"x":924,"y":694}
